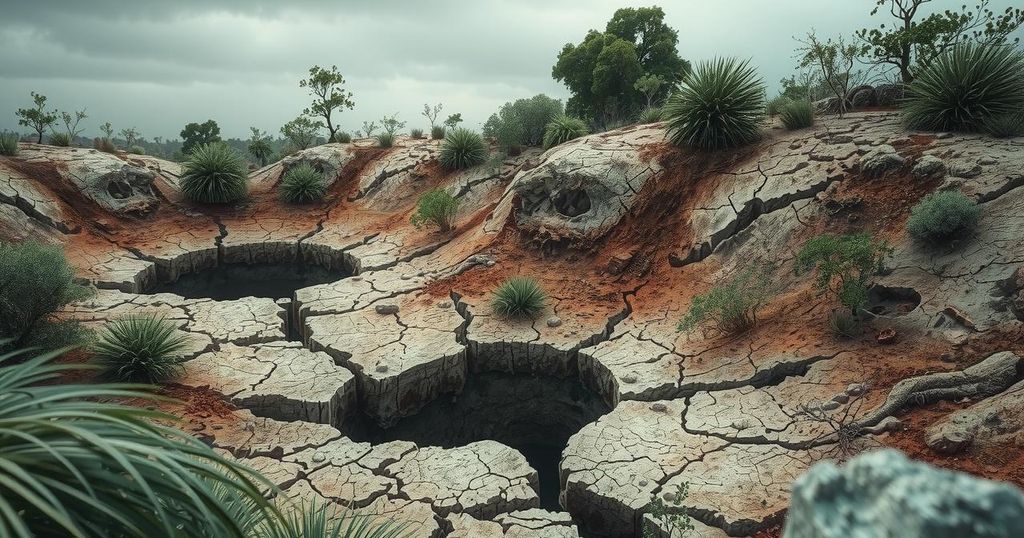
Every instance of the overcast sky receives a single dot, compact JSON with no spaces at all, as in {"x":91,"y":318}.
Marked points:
{"x":157,"y":65}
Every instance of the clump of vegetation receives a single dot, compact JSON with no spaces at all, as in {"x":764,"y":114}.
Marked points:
{"x":9,"y":144}
{"x":341,"y":137}
{"x":1005,"y":125}
{"x":462,"y":149}
{"x":303,"y":184}
{"x":519,"y":297}
{"x":104,"y":145}
{"x":194,"y":135}
{"x":719,"y":105}
{"x":731,"y":307}
{"x":452,"y":121}
{"x":385,"y":140}
{"x":671,"y":516}
{"x":797,"y":115}
{"x":214,"y":174}
{"x":37,"y":281}
{"x":651,"y":114}
{"x":943,"y":215}
{"x":844,"y":264}
{"x":834,"y":60}
{"x":137,"y":150}
{"x":775,"y":105}
{"x":522,"y":123}
{"x":965,"y":88}
{"x":74,"y":463}
{"x":139,"y":349}
{"x":37,"y":117}
{"x":302,"y":132}
{"x":563,"y":129}
{"x":437,"y":132}
{"x":417,"y":134}
{"x":844,"y":324}
{"x":259,"y":146}
{"x":315,"y":520}
{"x":390,"y":126}
{"x":327,"y":88}
{"x":60,"y":139}
{"x":436,"y":207}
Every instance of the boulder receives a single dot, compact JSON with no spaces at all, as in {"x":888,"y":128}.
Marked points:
{"x":115,"y":185}
{"x":928,"y":167}
{"x":890,"y":94}
{"x":884,"y":494}
{"x":862,"y":96}
{"x":880,"y":161}
{"x":328,"y":159}
{"x":999,"y":417}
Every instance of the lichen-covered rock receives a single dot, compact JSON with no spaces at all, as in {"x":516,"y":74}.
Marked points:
{"x":880,"y":161}
{"x":883,"y":494}
{"x":328,"y":159}
{"x":929,"y":166}
{"x":582,"y":188}
{"x":994,"y":419}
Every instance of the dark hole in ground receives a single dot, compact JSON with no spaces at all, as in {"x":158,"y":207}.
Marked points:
{"x":892,"y":301}
{"x":572,"y":202}
{"x":534,"y":415}
{"x":234,"y":281}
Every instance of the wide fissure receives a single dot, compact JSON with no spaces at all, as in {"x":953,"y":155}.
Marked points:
{"x":229,"y":282}
{"x":534,"y":415}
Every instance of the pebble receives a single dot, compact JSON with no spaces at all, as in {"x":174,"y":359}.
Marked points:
{"x":386,"y":309}
{"x":629,"y":378}
{"x":381,"y":368}
{"x":659,"y":407}
{"x":554,"y":321}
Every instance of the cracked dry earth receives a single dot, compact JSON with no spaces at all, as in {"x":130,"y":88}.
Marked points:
{"x":391,"y":387}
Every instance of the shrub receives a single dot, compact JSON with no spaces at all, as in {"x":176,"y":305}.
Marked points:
{"x":9,"y":144}
{"x":303,"y":184}
{"x":775,"y":105}
{"x":385,"y":140}
{"x":437,"y":132}
{"x":731,"y":306}
{"x":845,"y":265}
{"x":214,"y":174}
{"x":75,"y":463}
{"x":137,"y":150}
{"x":965,"y":87}
{"x":563,"y":129}
{"x":519,"y":297}
{"x":104,"y":145}
{"x":1005,"y":125}
{"x":522,"y":122}
{"x":139,"y":349}
{"x":36,"y":281}
{"x":720,"y":104}
{"x":341,"y":137}
{"x":416,"y":133}
{"x":462,"y":149}
{"x":60,"y":139}
{"x":651,"y":114}
{"x":798,"y":114}
{"x":436,"y":207}
{"x":943,"y":215}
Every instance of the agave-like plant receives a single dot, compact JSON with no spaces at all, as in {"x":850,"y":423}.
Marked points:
{"x":562,"y":129}
{"x":214,"y":174}
{"x":72,"y":463}
{"x":385,"y":140}
{"x":965,"y":87}
{"x":144,"y":349}
{"x":797,"y":114}
{"x":60,"y":139}
{"x":303,"y":184}
{"x":462,"y":149}
{"x":519,"y":297}
{"x":9,"y":144}
{"x":719,"y":105}
{"x":308,"y":520}
{"x":651,"y":114}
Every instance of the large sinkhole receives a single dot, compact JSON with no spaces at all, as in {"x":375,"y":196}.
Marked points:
{"x":227,"y":282}
{"x":534,"y":415}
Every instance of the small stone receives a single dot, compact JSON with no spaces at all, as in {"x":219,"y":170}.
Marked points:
{"x":386,"y":309}
{"x":830,"y":406}
{"x":405,"y":277}
{"x":445,"y":305}
{"x":643,"y":483}
{"x":928,"y":167}
{"x":841,"y":398}
{"x":629,"y":378}
{"x":381,"y":368}
{"x":554,"y":321}
{"x":490,"y":263}
{"x":319,"y":457}
{"x":659,"y":407}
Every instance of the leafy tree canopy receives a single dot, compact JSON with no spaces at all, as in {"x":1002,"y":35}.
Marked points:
{"x":602,"y":71}
{"x":37,"y":117}
{"x":199,"y":134}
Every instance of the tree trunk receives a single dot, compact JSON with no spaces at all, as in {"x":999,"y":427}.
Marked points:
{"x":40,"y":141}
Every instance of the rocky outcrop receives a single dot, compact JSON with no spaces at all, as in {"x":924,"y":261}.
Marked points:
{"x":883,"y":494}
{"x":328,"y":159}
{"x":993,"y":420}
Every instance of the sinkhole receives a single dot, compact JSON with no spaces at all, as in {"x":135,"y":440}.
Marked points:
{"x":534,"y":415}
{"x":228,"y":282}
{"x":571,"y":202}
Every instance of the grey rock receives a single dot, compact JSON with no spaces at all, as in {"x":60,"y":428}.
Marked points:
{"x":890,"y":94}
{"x":386,"y":309}
{"x":964,"y":169}
{"x":881,"y":160}
{"x":929,"y":166}
{"x":883,"y":494}
{"x":863,"y":96}
{"x":993,"y":419}
{"x":328,"y":159}
{"x":554,"y":321}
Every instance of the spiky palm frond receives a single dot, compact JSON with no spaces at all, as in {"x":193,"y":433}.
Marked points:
{"x":462,"y":149}
{"x":144,"y":349}
{"x":563,"y":129}
{"x":214,"y":174}
{"x":519,"y":297}
{"x":719,"y":105}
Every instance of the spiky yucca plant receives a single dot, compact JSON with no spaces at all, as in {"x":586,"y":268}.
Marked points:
{"x":214,"y":174}
{"x":943,"y":215}
{"x":519,"y":297}
{"x":303,"y":184}
{"x":310,"y":520}
{"x":60,"y":139}
{"x":9,"y":144}
{"x":385,"y":140}
{"x":651,"y":114}
{"x":144,"y":349}
{"x":797,"y":114}
{"x":74,"y":464}
{"x":462,"y":149}
{"x":562,"y":129}
{"x":719,"y":105}
{"x":437,"y":132}
{"x":416,"y":133}
{"x":965,"y":87}
{"x":437,"y":207}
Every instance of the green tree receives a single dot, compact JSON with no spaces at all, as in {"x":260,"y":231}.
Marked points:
{"x":369,"y":127}
{"x":302,"y":131}
{"x":431,"y":113}
{"x":916,"y":39}
{"x":327,"y":87}
{"x":195,"y":135}
{"x":453,"y":120}
{"x":522,"y":122}
{"x":603,"y":69}
{"x":649,"y":86}
{"x":130,"y":135}
{"x":71,"y":122}
{"x":108,"y":130}
{"x":259,"y":146}
{"x":834,"y":60}
{"x":37,"y":118}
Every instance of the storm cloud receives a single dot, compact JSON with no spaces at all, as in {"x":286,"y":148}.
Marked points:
{"x":158,"y":65}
